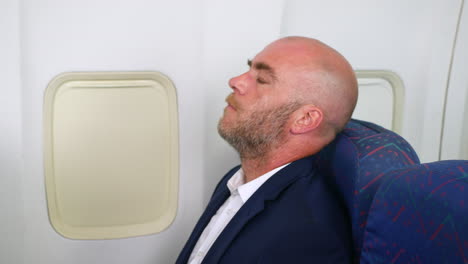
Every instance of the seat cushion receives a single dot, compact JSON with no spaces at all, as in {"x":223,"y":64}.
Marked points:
{"x":420,"y":215}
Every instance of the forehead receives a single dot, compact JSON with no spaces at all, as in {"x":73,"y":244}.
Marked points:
{"x":284,"y":56}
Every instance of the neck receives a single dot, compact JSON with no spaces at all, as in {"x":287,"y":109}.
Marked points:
{"x":256,"y":167}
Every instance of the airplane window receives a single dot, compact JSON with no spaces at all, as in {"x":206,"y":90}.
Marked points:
{"x":381,"y":95}
{"x":111,"y":154}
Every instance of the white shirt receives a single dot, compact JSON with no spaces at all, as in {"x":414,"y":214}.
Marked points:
{"x":240,"y":193}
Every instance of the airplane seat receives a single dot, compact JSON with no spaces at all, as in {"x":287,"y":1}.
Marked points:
{"x":419,"y":214}
{"x":355,"y":163}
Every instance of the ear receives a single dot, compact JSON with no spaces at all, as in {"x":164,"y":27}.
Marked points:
{"x":306,"y":119}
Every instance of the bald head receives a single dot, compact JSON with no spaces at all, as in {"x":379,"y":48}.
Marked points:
{"x":320,"y":76}
{"x":296,"y":96}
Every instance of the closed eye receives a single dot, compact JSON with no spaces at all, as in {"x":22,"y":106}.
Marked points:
{"x":261,"y":81}
{"x":263,"y":68}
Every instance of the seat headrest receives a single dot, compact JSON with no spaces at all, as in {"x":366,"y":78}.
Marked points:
{"x":355,"y":162}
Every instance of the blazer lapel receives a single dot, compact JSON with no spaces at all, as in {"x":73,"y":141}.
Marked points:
{"x":219,"y":197}
{"x":269,"y":191}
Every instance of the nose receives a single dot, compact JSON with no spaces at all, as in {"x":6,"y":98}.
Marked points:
{"x":239,"y":84}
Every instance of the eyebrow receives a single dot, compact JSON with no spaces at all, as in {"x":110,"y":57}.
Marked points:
{"x":261,"y":66}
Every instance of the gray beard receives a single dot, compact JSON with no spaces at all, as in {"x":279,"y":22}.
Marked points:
{"x":259,"y":133}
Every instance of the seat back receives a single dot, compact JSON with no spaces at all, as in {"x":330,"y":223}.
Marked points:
{"x":419,"y":215}
{"x":355,"y":163}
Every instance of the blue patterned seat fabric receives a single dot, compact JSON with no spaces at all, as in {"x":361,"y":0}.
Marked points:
{"x":356,"y":162}
{"x":420,"y":215}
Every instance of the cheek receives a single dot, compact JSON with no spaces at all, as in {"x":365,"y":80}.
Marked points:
{"x":258,"y":104}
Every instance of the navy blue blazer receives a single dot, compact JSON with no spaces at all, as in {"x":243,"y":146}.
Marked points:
{"x":294,"y":217}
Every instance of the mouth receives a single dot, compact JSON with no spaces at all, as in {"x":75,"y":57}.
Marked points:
{"x":231,"y":103}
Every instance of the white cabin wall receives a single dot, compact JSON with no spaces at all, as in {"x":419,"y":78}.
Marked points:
{"x":455,"y":135}
{"x":11,"y":220}
{"x":62,"y":36}
{"x":446,"y":15}
{"x":411,"y":38}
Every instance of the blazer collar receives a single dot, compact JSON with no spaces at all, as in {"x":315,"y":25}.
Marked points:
{"x":269,"y":191}
{"x":220,"y":195}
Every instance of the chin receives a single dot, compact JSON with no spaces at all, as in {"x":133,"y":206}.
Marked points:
{"x":225,"y":123}
{"x":222,"y":124}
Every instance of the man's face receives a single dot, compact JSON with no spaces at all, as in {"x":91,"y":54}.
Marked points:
{"x":259,"y":106}
{"x":257,"y":132}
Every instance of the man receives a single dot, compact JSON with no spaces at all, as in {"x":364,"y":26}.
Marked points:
{"x":276,"y":208}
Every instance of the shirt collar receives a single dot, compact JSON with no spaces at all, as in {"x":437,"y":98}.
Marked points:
{"x":237,"y":183}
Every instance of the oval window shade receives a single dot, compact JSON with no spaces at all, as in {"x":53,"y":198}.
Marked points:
{"x":111,"y":154}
